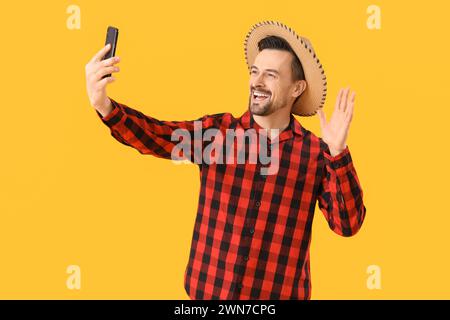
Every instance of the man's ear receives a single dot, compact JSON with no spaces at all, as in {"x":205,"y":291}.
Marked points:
{"x":299,"y":87}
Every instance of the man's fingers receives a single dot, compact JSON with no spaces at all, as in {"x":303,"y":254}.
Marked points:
{"x":99,"y":55}
{"x":110,"y":61}
{"x":352,"y":98}
{"x":351,"y":101}
{"x":102,"y":83}
{"x":106,"y":70}
{"x":104,"y":63}
{"x":350,"y":107}
{"x":349,"y":115}
{"x":344,"y":99}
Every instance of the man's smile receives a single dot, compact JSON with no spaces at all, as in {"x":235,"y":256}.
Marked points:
{"x":258,"y":95}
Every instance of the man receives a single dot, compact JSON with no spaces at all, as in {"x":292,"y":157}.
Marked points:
{"x":252,"y":232}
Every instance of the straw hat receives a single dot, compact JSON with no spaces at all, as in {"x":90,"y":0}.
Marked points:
{"x":315,"y":93}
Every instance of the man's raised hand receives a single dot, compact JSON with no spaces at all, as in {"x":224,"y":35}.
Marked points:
{"x":95,"y":69}
{"x":335,"y":132}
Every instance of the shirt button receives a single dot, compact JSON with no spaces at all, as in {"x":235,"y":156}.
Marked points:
{"x":257,"y":204}
{"x":252,"y":231}
{"x":246,"y":258}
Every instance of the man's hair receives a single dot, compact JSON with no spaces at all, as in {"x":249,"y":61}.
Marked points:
{"x":274,"y":42}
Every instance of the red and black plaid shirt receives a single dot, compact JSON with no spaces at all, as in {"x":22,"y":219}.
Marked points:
{"x":252,"y":232}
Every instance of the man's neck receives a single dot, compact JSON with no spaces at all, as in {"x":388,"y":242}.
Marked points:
{"x":280,"y":120}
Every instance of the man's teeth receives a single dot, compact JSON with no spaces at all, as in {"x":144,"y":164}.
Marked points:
{"x":260,"y":94}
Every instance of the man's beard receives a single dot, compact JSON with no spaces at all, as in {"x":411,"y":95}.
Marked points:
{"x":261,"y":109}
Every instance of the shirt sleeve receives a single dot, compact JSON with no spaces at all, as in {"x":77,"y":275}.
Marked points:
{"x":340,"y":193}
{"x":176,"y":140}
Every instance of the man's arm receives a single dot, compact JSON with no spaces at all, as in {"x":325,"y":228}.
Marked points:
{"x":340,"y":194}
{"x":156,"y":137}
{"x":144,"y":133}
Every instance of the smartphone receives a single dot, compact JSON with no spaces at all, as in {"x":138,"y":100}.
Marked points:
{"x":111,"y":37}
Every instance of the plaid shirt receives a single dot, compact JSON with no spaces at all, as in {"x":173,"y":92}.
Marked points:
{"x":252,"y":231}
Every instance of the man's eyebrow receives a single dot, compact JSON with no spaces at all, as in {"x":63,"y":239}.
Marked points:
{"x":272,"y":70}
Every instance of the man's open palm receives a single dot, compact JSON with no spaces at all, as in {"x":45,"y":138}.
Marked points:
{"x":334,"y":132}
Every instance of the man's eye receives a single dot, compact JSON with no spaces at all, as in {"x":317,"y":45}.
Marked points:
{"x":271,"y":74}
{"x":253,"y":71}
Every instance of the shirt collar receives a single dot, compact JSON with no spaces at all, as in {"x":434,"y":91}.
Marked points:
{"x":294,"y":126}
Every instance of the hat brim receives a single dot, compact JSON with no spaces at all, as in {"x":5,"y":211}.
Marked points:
{"x":315,"y":93}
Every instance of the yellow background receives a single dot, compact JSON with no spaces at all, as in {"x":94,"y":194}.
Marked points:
{"x":72,"y":195}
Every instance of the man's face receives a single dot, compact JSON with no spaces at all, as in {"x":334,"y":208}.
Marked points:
{"x":271,"y":75}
